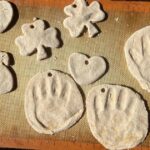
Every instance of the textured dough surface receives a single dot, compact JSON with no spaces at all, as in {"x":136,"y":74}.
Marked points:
{"x":6,"y":78}
{"x":81,"y":15}
{"x":117,"y":116}
{"x":86,"y":70}
{"x":37,"y":38}
{"x":137,"y":53}
{"x":6,"y":15}
{"x":52,"y":102}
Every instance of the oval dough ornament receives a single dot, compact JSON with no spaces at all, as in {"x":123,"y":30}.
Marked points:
{"x":137,"y":53}
{"x":117,"y":116}
{"x":52,"y":102}
{"x":6,"y":15}
{"x":86,"y":70}
{"x":6,"y":78}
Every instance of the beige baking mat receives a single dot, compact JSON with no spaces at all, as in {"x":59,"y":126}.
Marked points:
{"x":109,"y":44}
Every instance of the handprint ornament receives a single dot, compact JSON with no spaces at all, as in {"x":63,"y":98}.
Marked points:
{"x":52,"y":102}
{"x":37,"y":38}
{"x":6,"y":77}
{"x":117,"y":116}
{"x":137,"y":53}
{"x":81,"y":15}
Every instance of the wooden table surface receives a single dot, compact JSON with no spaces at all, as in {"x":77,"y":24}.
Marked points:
{"x":60,"y":145}
{"x":142,"y":6}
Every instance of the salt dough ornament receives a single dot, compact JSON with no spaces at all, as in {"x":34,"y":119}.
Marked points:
{"x":117,"y":116}
{"x":86,"y":70}
{"x":137,"y":53}
{"x":6,"y":15}
{"x":6,"y":78}
{"x":81,"y":15}
{"x":37,"y":38}
{"x":53,"y":102}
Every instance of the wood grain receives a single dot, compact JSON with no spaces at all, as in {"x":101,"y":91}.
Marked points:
{"x":139,"y":6}
{"x":52,"y":145}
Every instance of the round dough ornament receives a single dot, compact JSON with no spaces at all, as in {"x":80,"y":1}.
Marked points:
{"x":6,"y":77}
{"x":6,"y":15}
{"x":53,"y":102}
{"x":117,"y":116}
{"x":137,"y":53}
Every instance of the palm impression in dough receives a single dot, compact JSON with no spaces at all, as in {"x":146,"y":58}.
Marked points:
{"x":37,"y":38}
{"x":117,"y":116}
{"x":86,"y":70}
{"x":6,"y":15}
{"x":52,"y":102}
{"x":6,"y":78}
{"x":137,"y":53}
{"x":81,"y":15}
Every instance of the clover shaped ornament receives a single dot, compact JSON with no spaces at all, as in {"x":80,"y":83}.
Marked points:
{"x":81,"y":15}
{"x":37,"y":38}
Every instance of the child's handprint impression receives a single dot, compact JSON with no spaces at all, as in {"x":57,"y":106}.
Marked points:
{"x":55,"y":100}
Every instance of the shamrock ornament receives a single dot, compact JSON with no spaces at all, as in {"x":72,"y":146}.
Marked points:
{"x":81,"y":15}
{"x":37,"y":38}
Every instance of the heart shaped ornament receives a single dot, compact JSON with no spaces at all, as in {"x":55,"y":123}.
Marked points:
{"x":86,"y":70}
